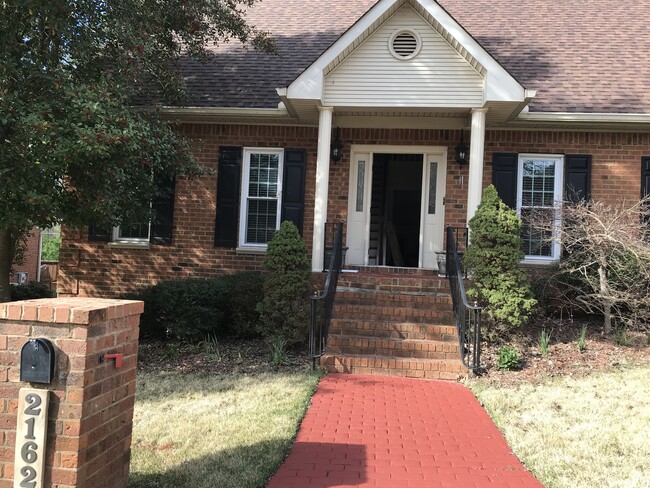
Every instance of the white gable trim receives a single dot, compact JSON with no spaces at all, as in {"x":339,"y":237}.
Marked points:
{"x":500,"y":85}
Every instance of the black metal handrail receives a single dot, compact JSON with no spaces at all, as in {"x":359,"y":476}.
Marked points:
{"x":468,"y":317}
{"x":323,"y":304}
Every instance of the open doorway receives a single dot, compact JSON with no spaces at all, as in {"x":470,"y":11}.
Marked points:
{"x":395,"y":206}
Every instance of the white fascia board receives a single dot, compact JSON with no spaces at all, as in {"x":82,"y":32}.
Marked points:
{"x":622,"y":118}
{"x":500,"y":85}
{"x":226,"y":112}
{"x":309,"y":85}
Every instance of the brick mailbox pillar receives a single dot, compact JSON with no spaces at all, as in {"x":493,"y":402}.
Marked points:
{"x":92,"y":393}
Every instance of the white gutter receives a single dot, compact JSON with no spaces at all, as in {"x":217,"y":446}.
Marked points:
{"x":578,"y":117}
{"x":264,"y":113}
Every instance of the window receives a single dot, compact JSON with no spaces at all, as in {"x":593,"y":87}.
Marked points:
{"x":539,"y":191}
{"x":132,"y":233}
{"x":261,"y":196}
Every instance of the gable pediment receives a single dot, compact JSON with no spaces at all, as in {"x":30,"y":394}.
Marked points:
{"x":434,"y":75}
{"x":446,"y":73}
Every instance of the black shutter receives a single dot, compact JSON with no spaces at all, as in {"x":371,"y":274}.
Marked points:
{"x":645,"y":177}
{"x":99,"y":233}
{"x":577,"y":180}
{"x":228,"y":177}
{"x":504,"y":177}
{"x":163,"y":218}
{"x":293,"y":186}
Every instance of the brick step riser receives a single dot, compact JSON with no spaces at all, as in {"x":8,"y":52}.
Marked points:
{"x":414,"y":310}
{"x":365,"y":326}
{"x":393,"y":271}
{"x":393,"y":353}
{"x":393,"y":344}
{"x":416,"y":286}
{"x":387,"y":334}
{"x":427,"y":316}
{"x":411,"y":368}
{"x":396,"y":300}
{"x":421,"y":282}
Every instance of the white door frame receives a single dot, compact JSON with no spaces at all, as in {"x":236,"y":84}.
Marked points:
{"x":431,"y":241}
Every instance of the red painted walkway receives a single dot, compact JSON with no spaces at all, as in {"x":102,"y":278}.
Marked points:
{"x":373,"y":431}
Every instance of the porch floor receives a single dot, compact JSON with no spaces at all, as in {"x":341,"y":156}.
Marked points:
{"x":375,"y":431}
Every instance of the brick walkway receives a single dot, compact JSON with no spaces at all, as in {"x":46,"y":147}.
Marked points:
{"x":373,"y":431}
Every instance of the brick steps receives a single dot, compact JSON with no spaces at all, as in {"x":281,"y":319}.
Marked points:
{"x":393,"y":322}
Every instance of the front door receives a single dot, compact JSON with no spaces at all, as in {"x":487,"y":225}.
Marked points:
{"x":395,"y":206}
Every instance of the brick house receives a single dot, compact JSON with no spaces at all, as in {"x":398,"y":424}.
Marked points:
{"x":552,"y":100}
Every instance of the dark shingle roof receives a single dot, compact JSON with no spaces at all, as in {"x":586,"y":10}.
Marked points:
{"x":580,"y":56}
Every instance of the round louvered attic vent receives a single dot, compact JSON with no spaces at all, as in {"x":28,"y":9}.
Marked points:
{"x":404,"y":44}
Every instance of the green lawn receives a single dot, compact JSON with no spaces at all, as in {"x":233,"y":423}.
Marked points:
{"x":204,"y":430}
{"x":580,"y":432}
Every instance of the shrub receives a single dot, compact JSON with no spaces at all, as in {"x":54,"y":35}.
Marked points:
{"x":605,"y":267}
{"x":508,"y":358}
{"x":195,"y":309}
{"x":284,"y":309}
{"x":31,"y":291}
{"x":245,"y":292}
{"x":493,"y":258}
{"x":186,"y":310}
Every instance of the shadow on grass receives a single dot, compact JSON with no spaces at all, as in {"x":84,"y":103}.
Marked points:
{"x":252,"y":467}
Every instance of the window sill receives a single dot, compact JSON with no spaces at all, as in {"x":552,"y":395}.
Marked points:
{"x":129,"y":245}
{"x":540,"y":262}
{"x":251,"y":250}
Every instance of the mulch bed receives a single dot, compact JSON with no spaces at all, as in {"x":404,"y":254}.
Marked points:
{"x":231,"y":356}
{"x":564,"y":359}
{"x":602,"y":353}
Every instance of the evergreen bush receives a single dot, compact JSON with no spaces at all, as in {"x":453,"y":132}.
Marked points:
{"x":194,"y":309}
{"x":31,"y":291}
{"x":245,"y":292}
{"x":284,"y":310}
{"x":492,"y":258}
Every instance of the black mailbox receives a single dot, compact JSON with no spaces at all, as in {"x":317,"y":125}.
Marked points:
{"x":37,"y":361}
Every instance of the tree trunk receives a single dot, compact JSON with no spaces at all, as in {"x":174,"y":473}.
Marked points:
{"x":8,"y":241}
{"x":605,"y":295}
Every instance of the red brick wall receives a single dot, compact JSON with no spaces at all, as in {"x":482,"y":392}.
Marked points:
{"x":30,"y":262}
{"x":91,"y":403}
{"x":96,"y":269}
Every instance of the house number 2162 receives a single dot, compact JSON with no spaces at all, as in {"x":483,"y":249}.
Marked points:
{"x":31,"y":434}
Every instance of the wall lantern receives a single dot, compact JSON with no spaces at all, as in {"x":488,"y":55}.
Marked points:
{"x":337,"y":147}
{"x":461,"y":150}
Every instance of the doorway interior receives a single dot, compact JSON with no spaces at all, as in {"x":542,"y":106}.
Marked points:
{"x":395,"y":210}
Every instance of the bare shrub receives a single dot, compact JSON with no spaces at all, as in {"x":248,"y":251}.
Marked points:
{"x":605,"y":264}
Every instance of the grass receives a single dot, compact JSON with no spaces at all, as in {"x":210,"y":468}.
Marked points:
{"x":578,"y":432}
{"x":204,"y":431}
{"x":544,"y":342}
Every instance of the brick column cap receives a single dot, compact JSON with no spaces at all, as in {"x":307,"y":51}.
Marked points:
{"x":72,"y":310}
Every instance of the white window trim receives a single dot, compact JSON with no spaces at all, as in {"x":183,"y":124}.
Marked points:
{"x":243,"y":202}
{"x":557,"y":190}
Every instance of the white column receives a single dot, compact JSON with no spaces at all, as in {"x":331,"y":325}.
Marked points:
{"x":476,"y":155}
{"x":322,"y":186}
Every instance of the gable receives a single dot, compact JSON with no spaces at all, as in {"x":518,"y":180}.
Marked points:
{"x":371,"y":76}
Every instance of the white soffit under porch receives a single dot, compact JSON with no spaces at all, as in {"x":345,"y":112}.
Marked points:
{"x":438,"y":76}
{"x":498,"y":85}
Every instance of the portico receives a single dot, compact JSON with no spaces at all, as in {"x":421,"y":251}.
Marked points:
{"x":407,"y":64}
